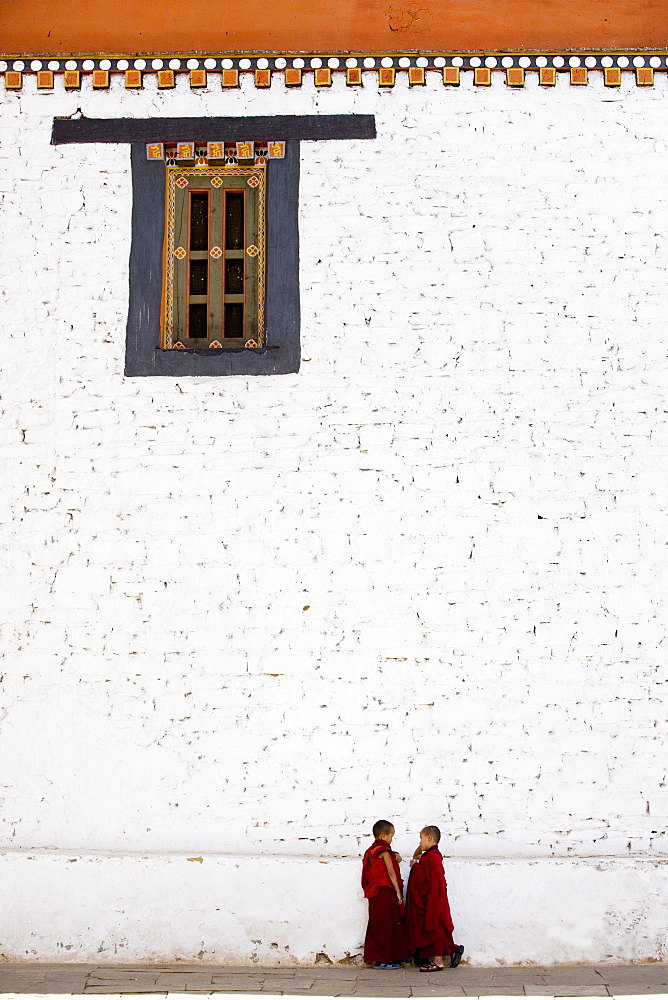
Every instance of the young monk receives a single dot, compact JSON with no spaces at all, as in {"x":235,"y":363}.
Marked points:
{"x":428,"y":921}
{"x":385,"y":943}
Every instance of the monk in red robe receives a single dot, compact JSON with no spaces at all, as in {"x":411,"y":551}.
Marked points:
{"x":385,"y":943}
{"x":428,"y":921}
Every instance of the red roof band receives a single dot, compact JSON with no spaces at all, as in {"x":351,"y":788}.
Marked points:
{"x":139,"y":26}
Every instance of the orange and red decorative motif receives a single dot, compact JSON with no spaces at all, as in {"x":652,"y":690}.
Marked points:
{"x":612,"y":76}
{"x":230,"y":78}
{"x":547,"y":76}
{"x":201,"y":153}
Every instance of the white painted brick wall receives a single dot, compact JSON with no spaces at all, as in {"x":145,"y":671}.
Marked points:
{"x":423,"y":578}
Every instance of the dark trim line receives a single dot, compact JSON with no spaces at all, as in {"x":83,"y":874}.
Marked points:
{"x":282,"y":354}
{"x":137,"y":130}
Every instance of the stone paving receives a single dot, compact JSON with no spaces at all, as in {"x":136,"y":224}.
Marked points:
{"x":337,"y":980}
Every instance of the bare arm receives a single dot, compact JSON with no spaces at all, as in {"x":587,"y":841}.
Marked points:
{"x":387,"y":858}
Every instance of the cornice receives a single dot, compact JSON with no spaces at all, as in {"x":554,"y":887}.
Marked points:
{"x":228,"y":70}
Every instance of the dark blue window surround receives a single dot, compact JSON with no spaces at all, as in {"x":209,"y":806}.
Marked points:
{"x":282,"y":353}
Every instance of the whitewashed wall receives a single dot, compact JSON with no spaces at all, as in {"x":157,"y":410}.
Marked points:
{"x":423,"y":579}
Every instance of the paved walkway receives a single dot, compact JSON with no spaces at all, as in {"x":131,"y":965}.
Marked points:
{"x":337,"y":980}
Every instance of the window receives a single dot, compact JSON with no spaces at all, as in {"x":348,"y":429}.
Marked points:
{"x":214,"y":263}
{"x":252,"y":312}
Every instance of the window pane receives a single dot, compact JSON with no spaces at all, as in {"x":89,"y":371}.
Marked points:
{"x":234,"y":277}
{"x":234,"y":319}
{"x":234,"y":220}
{"x":197,"y":320}
{"x":199,"y":220}
{"x":199,"y":273}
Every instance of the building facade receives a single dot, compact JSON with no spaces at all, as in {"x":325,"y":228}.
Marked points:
{"x":397,"y":552}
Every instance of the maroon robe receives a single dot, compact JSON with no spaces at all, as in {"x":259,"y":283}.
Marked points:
{"x":428,"y":921}
{"x":385,"y":937}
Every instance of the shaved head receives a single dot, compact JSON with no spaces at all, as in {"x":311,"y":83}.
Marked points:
{"x":433,"y":832}
{"x":382,"y":828}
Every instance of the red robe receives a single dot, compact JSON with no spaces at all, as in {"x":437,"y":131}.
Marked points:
{"x":428,"y":921}
{"x":385,"y":937}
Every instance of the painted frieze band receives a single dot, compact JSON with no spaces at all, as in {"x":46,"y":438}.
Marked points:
{"x":229,"y":71}
{"x":221,"y":153}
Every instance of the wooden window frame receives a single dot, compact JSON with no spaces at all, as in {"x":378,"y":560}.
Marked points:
{"x":217,"y":182}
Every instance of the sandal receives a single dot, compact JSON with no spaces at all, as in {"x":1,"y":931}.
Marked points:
{"x":456,"y":956}
{"x":432,"y":967}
